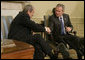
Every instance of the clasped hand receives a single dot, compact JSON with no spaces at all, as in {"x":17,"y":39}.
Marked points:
{"x":48,"y":30}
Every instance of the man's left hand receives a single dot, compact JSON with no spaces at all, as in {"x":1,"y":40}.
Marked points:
{"x":68,"y":29}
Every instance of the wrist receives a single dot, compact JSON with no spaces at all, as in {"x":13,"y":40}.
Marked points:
{"x":45,"y":28}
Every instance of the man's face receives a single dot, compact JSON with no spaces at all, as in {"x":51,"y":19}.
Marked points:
{"x":58,"y":11}
{"x":31,"y":13}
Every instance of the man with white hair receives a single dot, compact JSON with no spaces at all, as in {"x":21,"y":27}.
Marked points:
{"x":21,"y":29}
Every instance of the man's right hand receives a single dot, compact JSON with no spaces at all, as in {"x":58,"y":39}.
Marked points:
{"x":48,"y":30}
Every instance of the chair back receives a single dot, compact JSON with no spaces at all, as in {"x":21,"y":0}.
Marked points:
{"x":5,"y":23}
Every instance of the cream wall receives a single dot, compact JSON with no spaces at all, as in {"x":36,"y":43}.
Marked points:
{"x":12,"y":8}
{"x":74,"y":8}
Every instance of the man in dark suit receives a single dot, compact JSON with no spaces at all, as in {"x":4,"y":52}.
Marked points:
{"x":61,"y":26}
{"x":21,"y":29}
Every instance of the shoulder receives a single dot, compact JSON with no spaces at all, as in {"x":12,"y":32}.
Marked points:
{"x":19,"y":16}
{"x":67,"y":15}
{"x":52,"y":17}
{"x":22,"y":15}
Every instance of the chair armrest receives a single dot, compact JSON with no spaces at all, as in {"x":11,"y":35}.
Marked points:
{"x":7,"y":43}
{"x":18,"y":45}
{"x":73,"y":32}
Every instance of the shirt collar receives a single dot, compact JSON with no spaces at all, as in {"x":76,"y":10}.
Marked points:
{"x":61,"y":17}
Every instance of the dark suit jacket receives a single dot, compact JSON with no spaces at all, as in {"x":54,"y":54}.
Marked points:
{"x":55,"y":25}
{"x":21,"y":27}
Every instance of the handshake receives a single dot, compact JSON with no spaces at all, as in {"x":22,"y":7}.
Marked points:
{"x":48,"y":30}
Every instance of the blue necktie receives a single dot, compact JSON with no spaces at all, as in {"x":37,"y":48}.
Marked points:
{"x":62,"y":26}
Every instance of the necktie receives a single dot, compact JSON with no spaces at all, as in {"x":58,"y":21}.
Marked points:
{"x":62,"y":26}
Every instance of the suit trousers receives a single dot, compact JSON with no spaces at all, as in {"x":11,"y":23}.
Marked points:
{"x":72,"y":41}
{"x":40,"y":45}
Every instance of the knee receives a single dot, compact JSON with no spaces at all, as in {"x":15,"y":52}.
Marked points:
{"x":38,"y":37}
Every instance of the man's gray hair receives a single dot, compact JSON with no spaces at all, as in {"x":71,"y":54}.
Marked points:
{"x":61,"y":5}
{"x":28,"y":8}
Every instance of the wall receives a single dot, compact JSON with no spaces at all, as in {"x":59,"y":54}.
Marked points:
{"x":12,"y":8}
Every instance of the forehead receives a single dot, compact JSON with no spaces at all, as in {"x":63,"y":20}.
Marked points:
{"x":58,"y":8}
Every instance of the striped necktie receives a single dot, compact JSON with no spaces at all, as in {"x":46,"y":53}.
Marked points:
{"x":62,"y":26}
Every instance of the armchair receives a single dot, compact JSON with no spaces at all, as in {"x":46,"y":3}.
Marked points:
{"x":52,"y":43}
{"x":15,"y":49}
